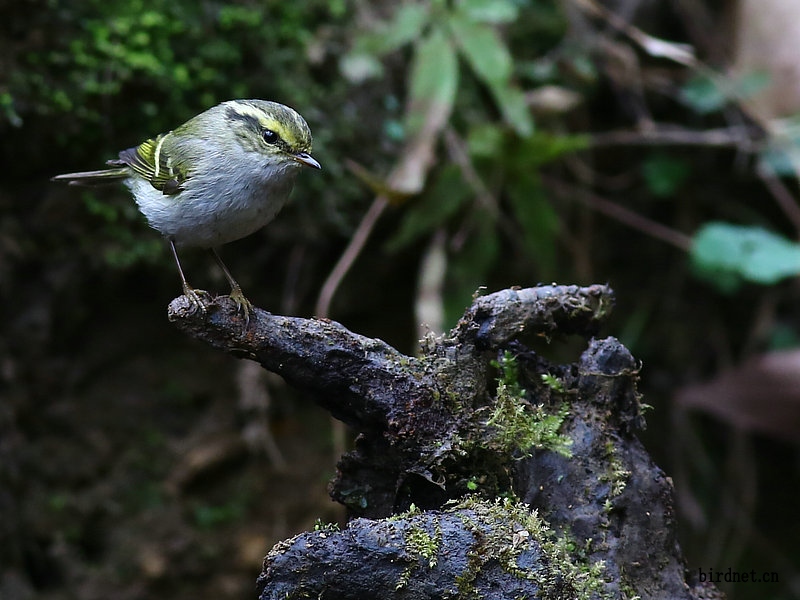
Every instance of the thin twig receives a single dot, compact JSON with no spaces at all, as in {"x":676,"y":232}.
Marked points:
{"x":349,"y":256}
{"x":457,"y":152}
{"x":679,"y":53}
{"x":782,"y":195}
{"x":735,"y":137}
{"x":621,"y":214}
{"x":456,"y":149}
{"x":323,"y":307}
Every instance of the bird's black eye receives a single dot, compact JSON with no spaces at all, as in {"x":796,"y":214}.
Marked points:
{"x":270,"y":136}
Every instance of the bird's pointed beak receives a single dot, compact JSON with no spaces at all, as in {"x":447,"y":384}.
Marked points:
{"x":304,"y":158}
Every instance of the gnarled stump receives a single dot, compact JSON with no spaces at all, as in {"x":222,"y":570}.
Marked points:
{"x":481,"y":470}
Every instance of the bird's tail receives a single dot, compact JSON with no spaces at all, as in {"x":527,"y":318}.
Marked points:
{"x":96,"y":177}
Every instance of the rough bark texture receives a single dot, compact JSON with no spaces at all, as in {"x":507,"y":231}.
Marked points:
{"x":448,"y":437}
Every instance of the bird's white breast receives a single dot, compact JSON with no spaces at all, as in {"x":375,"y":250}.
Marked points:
{"x":218,"y":207}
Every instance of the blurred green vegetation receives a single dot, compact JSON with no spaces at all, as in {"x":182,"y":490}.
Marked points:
{"x":103,"y":70}
{"x":520,"y":189}
{"x":81,"y":60}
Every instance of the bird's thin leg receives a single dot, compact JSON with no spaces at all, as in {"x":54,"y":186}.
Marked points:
{"x":242,"y":303}
{"x":192,"y":294}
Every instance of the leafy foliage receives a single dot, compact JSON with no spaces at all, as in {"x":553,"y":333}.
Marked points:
{"x":705,"y":93}
{"x":88,"y":79}
{"x":465,"y":60}
{"x":177,"y":58}
{"x":84,"y":79}
{"x":729,"y":254}
{"x":665,"y":175}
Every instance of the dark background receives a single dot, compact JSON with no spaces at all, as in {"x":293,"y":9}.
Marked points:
{"x":137,"y":463}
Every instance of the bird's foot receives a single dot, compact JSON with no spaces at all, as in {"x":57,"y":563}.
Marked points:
{"x":243,"y":305}
{"x":196,"y":298}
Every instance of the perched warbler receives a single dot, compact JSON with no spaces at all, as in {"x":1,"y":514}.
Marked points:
{"x":217,"y":178}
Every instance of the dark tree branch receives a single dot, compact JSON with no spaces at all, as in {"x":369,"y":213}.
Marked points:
{"x":450,"y":426}
{"x":354,"y":377}
{"x":428,"y":555}
{"x":360,"y":379}
{"x":494,"y":320}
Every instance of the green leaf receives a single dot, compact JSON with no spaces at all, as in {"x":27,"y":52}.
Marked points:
{"x":728,"y":254}
{"x":483,"y":49}
{"x":542,"y":148}
{"x":434,"y":207}
{"x":706,"y":94}
{"x":703,"y":95}
{"x":434,"y":80}
{"x":489,"y":58}
{"x":782,"y":153}
{"x":8,"y":109}
{"x":362,"y":63}
{"x":406,"y":26}
{"x":489,"y":11}
{"x":514,"y":108}
{"x":485,"y":140}
{"x":234,"y":16}
{"x":664,"y":175}
{"x":780,"y":160}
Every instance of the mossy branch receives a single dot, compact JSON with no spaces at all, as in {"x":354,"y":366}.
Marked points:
{"x":478,"y":415}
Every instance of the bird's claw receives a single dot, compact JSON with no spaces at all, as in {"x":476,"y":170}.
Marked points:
{"x":243,"y":305}
{"x":196,"y":298}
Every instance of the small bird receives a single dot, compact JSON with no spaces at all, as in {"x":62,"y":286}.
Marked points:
{"x":217,"y":178}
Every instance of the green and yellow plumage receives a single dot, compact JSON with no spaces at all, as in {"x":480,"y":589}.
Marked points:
{"x":149,"y":162}
{"x":217,"y":178}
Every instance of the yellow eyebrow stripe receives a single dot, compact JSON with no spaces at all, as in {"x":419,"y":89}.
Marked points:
{"x":264,"y":121}
{"x":247,"y":110}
